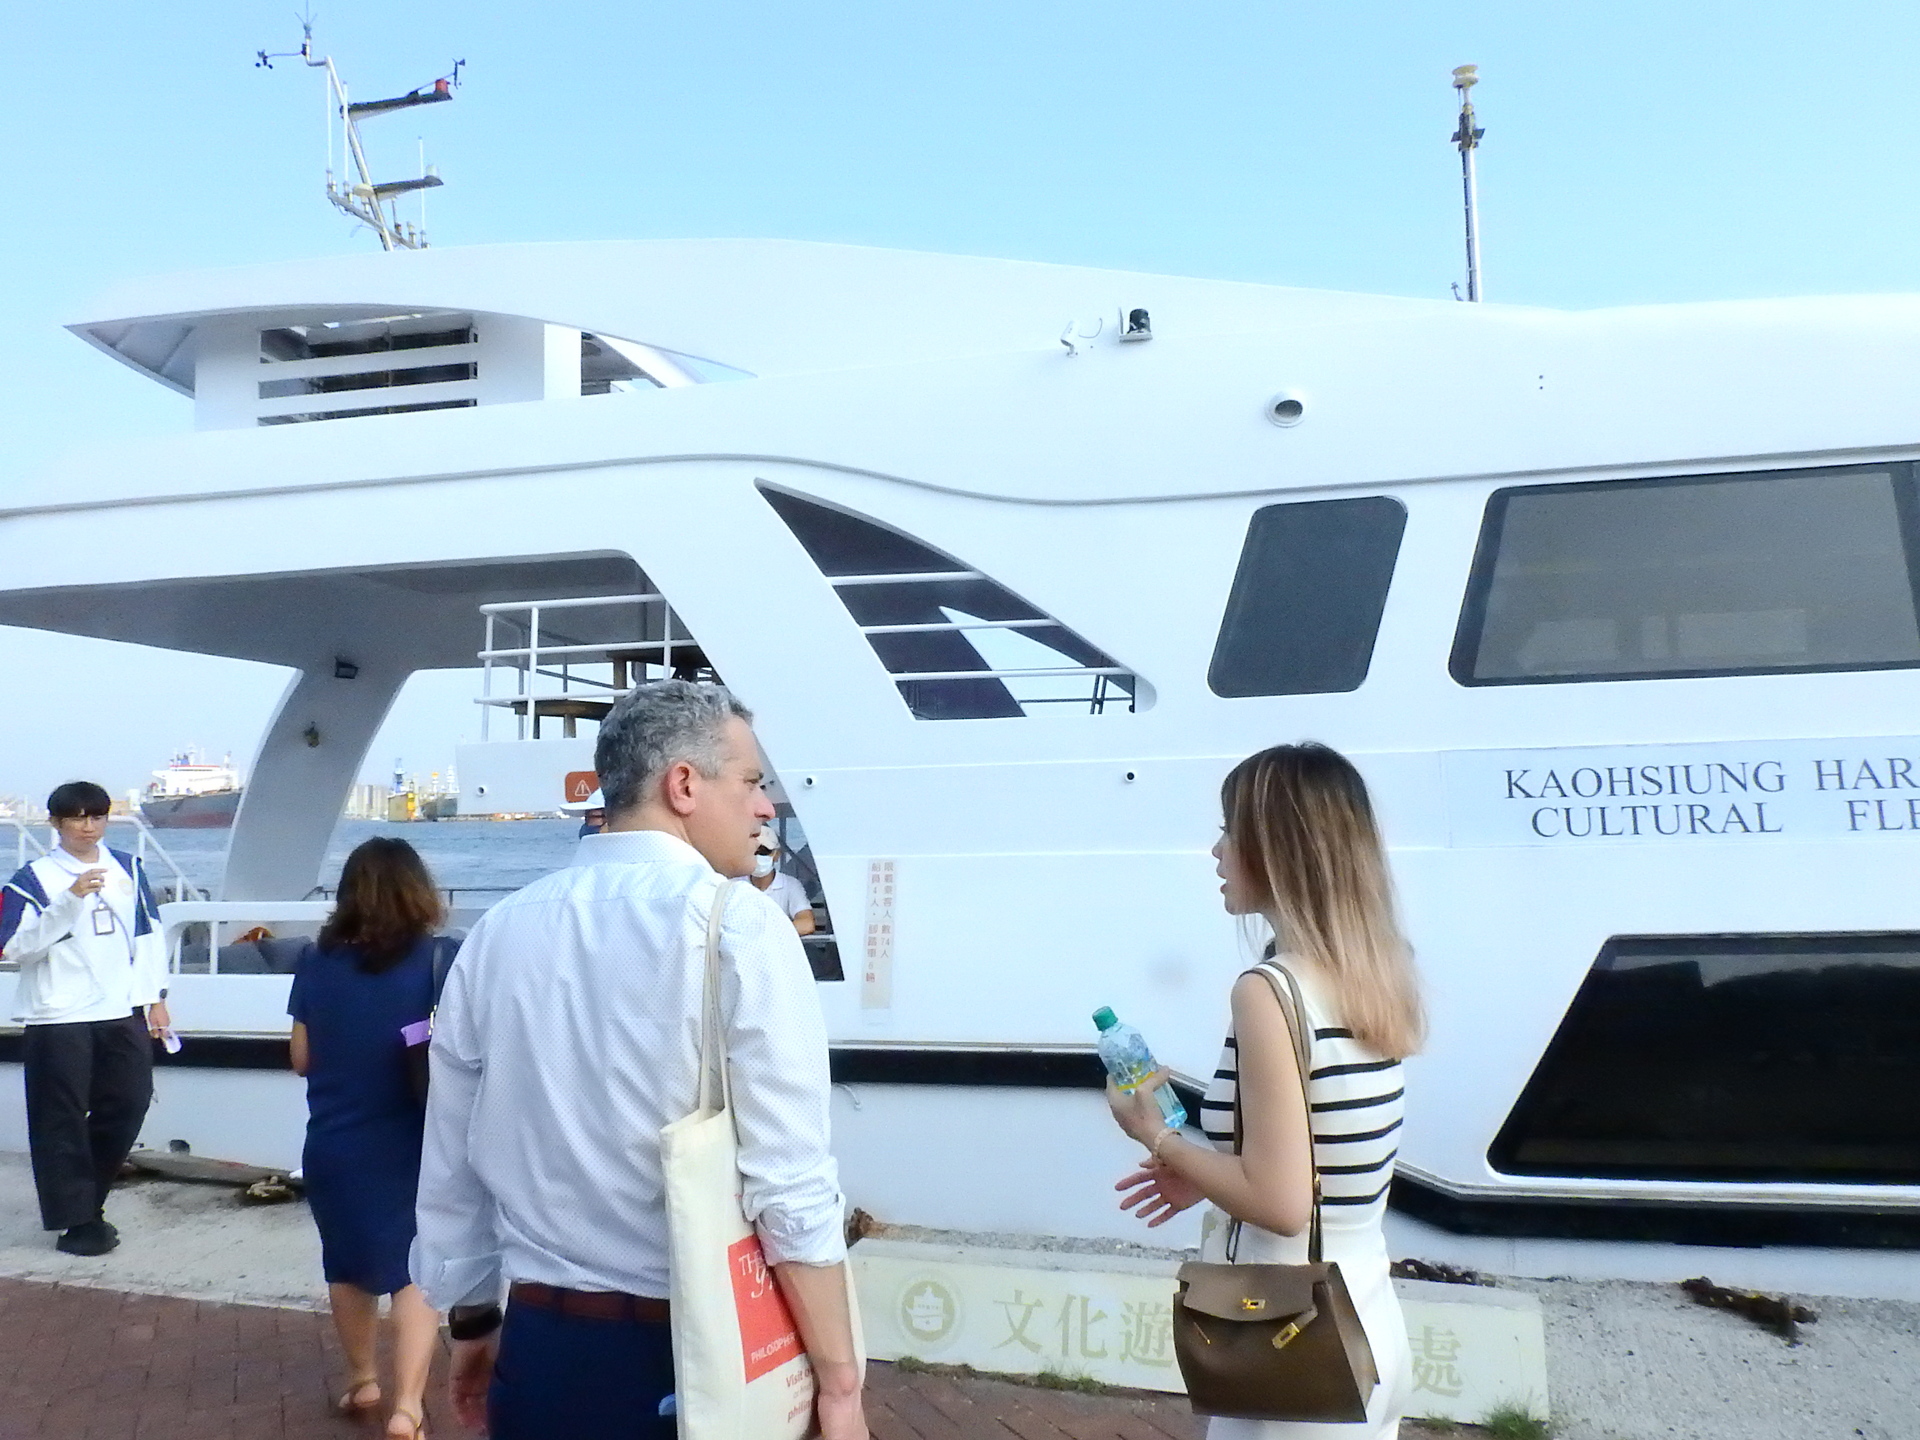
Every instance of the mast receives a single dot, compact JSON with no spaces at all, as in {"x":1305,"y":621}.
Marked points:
{"x":355,"y":191}
{"x":1467,"y":137}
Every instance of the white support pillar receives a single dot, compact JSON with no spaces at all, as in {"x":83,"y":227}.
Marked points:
{"x":308,"y":760}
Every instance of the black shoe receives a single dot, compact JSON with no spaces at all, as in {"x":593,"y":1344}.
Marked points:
{"x":95,"y":1237}
{"x":113,"y":1230}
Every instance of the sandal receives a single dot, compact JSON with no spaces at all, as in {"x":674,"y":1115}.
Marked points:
{"x":355,"y":1401}
{"x":417,"y":1425}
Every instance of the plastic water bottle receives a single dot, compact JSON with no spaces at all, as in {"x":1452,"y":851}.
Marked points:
{"x":1123,"y":1050}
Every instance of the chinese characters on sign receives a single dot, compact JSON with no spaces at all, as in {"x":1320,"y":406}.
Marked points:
{"x":1116,"y":1327}
{"x":1081,"y":1330}
{"x":876,"y":983}
{"x":1436,"y":1361}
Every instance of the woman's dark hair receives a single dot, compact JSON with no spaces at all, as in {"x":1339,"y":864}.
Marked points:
{"x":387,"y":904}
{"x":77,"y":798}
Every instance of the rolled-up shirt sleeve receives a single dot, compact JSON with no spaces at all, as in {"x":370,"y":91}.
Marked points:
{"x":777,"y":1052}
{"x":456,"y":1251}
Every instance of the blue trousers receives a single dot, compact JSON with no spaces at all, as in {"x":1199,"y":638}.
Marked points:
{"x":559,"y":1375}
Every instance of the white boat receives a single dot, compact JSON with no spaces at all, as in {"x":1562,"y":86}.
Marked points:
{"x":1616,"y":611}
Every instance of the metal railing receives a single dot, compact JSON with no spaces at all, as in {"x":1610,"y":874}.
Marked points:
{"x":178,"y":915}
{"x":1109,"y":685}
{"x":28,"y":845}
{"x":577,"y":693}
{"x":452,"y":892}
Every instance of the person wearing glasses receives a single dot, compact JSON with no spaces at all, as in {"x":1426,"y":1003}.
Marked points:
{"x":82,"y":925}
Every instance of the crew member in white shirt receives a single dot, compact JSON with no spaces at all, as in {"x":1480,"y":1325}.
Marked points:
{"x":83,"y":928}
{"x":566,"y":1038}
{"x":778,"y":886}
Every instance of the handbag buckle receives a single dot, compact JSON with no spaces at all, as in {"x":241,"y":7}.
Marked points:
{"x":1251,"y":1305}
{"x":1286,"y":1336}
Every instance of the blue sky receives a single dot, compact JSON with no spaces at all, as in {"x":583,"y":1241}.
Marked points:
{"x":1636,"y":152}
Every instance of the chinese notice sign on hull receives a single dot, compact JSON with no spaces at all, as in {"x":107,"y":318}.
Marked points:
{"x":1471,"y":1350}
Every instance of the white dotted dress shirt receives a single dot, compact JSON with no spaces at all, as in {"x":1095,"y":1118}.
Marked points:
{"x":569,"y":1034}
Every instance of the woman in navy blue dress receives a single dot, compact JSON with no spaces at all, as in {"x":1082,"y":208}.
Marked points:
{"x":367,"y":977}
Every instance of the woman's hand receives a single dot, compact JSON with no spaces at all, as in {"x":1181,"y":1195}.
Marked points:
{"x":1137,"y":1111}
{"x":1159,"y":1193}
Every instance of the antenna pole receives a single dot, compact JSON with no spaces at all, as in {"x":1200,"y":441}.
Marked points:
{"x":1467,"y":137}
{"x":354,"y":189}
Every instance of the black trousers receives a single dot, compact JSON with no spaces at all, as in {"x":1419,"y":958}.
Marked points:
{"x":88,"y":1088}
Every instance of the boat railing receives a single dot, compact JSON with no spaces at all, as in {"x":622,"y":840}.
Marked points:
{"x":27,"y":845}
{"x":147,"y":843}
{"x":452,"y":892}
{"x":301,"y":917}
{"x":548,"y":654}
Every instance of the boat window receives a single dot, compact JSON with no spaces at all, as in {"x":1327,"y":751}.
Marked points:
{"x":1754,"y":1058}
{"x":1307,"y":598}
{"x":959,"y":645}
{"x":1714,"y":575}
{"x":317,"y":362}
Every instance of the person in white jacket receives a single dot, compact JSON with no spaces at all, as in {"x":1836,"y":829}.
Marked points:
{"x":82,"y":925}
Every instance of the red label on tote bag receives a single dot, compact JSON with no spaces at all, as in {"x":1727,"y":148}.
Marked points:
{"x":768,"y":1339}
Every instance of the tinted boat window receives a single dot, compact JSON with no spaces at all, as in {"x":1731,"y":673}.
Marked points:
{"x":960,"y":645}
{"x":1728,"y":575}
{"x":1307,"y":598}
{"x":1731,"y":1057}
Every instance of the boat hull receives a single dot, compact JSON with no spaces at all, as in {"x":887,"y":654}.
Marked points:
{"x":192,"y":812}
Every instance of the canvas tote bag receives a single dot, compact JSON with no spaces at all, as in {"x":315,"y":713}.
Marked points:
{"x":1274,"y":1342}
{"x":740,"y":1372}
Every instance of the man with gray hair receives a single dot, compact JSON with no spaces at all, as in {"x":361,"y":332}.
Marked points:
{"x":567,"y":1036}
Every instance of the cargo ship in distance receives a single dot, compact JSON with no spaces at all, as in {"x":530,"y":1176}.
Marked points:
{"x":192,"y":795}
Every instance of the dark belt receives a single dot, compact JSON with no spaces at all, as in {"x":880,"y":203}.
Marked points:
{"x":588,"y":1304}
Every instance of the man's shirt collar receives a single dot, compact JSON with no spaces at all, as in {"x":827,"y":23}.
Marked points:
{"x":636,"y":847}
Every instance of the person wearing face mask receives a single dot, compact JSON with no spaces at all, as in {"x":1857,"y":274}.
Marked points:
{"x":781,"y":888}
{"x":82,"y":925}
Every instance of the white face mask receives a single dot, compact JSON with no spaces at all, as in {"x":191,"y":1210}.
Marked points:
{"x":762,"y":866}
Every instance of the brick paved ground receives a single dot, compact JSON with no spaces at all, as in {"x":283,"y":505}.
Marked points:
{"x":78,"y":1363}
{"x":902,"y":1405}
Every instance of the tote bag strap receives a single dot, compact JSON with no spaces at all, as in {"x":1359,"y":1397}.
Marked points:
{"x":1293,"y":1010}
{"x":715,"y":1083}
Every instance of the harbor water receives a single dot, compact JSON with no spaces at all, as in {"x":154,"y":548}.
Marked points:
{"x":479,"y":860}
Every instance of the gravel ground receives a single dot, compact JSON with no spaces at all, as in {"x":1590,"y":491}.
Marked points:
{"x":195,"y":1241}
{"x":1629,"y":1361}
{"x":1626,"y":1360}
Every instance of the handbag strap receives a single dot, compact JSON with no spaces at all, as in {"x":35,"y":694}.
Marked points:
{"x":1293,"y":1009}
{"x":713,"y":1052}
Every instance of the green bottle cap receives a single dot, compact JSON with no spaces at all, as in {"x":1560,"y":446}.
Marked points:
{"x":1105,"y":1018}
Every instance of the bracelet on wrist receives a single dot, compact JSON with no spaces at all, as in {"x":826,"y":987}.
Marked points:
{"x":473,"y":1322}
{"x":1159,"y":1140}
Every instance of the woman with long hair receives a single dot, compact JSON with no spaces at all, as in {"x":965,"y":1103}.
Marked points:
{"x":1299,"y":850}
{"x":369,"y":976}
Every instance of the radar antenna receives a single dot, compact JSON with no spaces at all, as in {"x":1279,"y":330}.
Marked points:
{"x":1467,"y":138}
{"x":351,"y":187}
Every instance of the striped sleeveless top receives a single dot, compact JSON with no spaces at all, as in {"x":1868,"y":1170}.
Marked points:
{"x":1357,"y":1102}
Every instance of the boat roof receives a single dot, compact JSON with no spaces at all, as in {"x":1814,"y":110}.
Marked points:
{"x":767,"y":307}
{"x":949,"y":372}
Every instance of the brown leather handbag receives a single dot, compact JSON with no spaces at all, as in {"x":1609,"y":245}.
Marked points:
{"x":1273,"y":1342}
